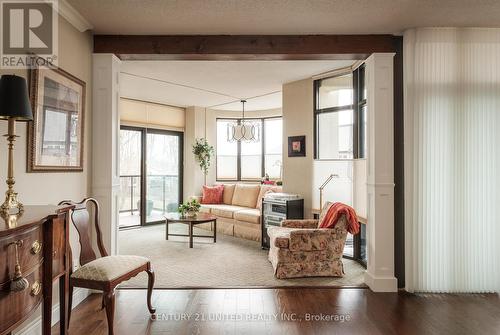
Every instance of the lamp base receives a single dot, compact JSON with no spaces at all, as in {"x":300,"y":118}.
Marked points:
{"x":11,"y":205}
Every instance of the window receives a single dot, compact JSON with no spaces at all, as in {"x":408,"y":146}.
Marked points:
{"x":340,"y":116}
{"x":250,"y":161}
{"x":227,"y":152}
{"x":251,"y":157}
{"x":273,"y":128}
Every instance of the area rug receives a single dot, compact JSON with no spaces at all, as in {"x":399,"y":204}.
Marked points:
{"x":231,"y":262}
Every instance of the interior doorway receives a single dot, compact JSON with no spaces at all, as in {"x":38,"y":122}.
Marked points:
{"x":151,"y":163}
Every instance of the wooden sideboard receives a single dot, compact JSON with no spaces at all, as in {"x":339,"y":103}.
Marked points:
{"x":41,"y":234}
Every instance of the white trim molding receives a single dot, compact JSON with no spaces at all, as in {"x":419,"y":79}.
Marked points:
{"x":73,"y":16}
{"x":337,"y":72}
{"x":381,"y":284}
{"x":106,"y":144}
{"x":379,"y":275}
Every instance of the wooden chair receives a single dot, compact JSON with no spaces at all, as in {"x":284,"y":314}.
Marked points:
{"x":106,"y":272}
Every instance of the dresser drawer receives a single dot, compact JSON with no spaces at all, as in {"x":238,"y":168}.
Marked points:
{"x":15,"y":305}
{"x":30,"y":252}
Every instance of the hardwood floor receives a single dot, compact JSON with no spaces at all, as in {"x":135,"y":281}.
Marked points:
{"x":364,"y":312}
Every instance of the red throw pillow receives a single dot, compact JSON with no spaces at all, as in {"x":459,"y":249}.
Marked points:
{"x":212,"y":194}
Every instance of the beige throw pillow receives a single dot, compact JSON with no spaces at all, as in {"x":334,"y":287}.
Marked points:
{"x":227,"y":195}
{"x":245,"y":195}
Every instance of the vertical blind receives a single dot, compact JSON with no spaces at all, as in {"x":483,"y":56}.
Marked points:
{"x":452,"y":159}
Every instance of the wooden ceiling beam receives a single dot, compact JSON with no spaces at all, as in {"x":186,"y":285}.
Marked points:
{"x":243,"y":47}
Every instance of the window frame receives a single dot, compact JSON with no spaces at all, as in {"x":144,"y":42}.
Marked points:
{"x":358,"y":103}
{"x":144,"y":131}
{"x":238,"y":150}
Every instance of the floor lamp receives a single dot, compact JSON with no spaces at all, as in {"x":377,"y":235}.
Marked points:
{"x":322,"y":187}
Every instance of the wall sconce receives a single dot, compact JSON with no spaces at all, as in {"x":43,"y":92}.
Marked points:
{"x":322,"y":187}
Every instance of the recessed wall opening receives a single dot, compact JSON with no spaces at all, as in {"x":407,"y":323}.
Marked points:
{"x":188,"y":100}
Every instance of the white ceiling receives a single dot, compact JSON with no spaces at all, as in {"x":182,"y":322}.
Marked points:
{"x":217,"y":84}
{"x":283,"y":16}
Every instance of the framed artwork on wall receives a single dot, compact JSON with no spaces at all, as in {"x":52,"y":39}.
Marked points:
{"x":296,"y":146}
{"x":55,"y":136}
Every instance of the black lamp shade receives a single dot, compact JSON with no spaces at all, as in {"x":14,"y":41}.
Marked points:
{"x":14,"y":100}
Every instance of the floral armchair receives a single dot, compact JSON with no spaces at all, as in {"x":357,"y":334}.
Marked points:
{"x":300,"y":249}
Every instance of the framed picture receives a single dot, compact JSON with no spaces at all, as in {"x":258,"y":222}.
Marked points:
{"x":296,"y":146}
{"x":55,"y":136}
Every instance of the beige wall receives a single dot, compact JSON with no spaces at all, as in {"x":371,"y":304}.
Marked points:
{"x":75,"y":50}
{"x":297,"y":121}
{"x":195,"y":128}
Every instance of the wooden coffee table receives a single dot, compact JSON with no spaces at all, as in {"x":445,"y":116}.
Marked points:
{"x":191,"y":222}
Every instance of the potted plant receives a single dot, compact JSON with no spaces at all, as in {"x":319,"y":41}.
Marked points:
{"x":203,"y":153}
{"x":190,"y":208}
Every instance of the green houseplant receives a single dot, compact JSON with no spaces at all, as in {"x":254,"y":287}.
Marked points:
{"x":203,"y":153}
{"x":189,"y":208}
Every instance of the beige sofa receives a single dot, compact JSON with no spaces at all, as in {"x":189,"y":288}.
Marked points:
{"x":239,"y":215}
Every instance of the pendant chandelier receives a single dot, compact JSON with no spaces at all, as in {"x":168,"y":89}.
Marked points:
{"x":244,"y":130}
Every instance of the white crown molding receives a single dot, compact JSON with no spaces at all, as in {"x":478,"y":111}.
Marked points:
{"x":340,"y":71}
{"x":73,"y":16}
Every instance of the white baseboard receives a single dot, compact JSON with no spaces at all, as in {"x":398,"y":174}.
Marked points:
{"x":381,"y":284}
{"x":35,"y":327}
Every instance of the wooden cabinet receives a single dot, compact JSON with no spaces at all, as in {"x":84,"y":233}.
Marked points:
{"x":41,"y":235}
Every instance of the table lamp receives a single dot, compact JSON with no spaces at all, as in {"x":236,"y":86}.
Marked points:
{"x":14,"y":106}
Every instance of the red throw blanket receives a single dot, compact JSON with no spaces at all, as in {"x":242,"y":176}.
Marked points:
{"x":335,"y":212}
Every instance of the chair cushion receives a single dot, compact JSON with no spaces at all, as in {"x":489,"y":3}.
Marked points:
{"x":248,"y":215}
{"x":225,"y":211}
{"x":109,"y":267}
{"x":245,"y":195}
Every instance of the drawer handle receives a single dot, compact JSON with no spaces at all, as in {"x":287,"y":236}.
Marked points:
{"x":36,"y":247}
{"x":36,"y":288}
{"x":18,"y":283}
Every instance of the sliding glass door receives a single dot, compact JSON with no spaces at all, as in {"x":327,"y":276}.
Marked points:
{"x":150,"y":174}
{"x":164,"y":174}
{"x":131,"y":141}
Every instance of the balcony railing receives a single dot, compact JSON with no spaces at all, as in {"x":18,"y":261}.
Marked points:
{"x":162,"y":193}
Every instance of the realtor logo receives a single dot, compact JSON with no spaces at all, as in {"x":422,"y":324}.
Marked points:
{"x":29,"y":33}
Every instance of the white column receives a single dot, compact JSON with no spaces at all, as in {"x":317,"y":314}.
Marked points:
{"x":379,"y":275}
{"x":105,"y":144}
